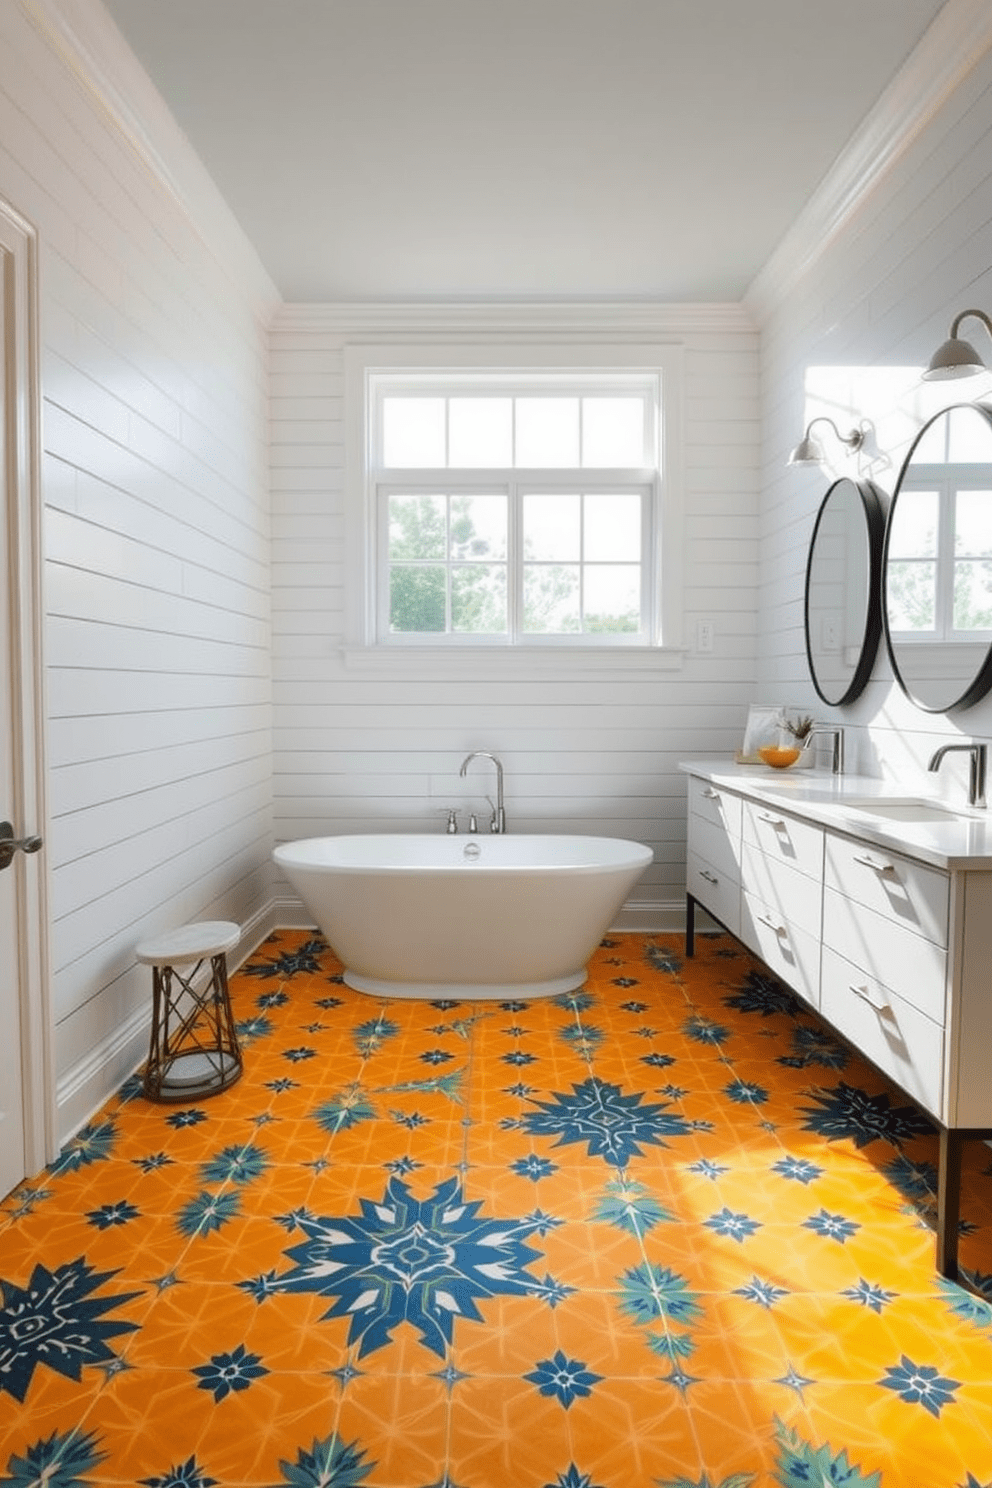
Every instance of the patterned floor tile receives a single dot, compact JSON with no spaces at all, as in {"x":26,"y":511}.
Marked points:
{"x":662,"y":1232}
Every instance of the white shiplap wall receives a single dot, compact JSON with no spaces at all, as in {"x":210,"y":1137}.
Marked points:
{"x":364,"y":751}
{"x":154,"y":363}
{"x":877,"y":300}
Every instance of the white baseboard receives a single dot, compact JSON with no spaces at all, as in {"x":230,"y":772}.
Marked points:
{"x":665,"y":917}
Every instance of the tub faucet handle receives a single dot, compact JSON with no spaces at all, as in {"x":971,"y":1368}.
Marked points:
{"x":452,"y":826}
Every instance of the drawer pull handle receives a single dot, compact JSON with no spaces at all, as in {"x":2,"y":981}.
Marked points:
{"x":709,"y":877}
{"x":883,"y":1008}
{"x":710,"y":794}
{"x":778,"y":929}
{"x":773,"y":821}
{"x":867,"y":862}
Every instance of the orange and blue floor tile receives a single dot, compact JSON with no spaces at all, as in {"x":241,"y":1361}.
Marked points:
{"x":662,"y":1232}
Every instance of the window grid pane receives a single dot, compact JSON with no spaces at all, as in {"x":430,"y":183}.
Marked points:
{"x":508,"y":558}
{"x":514,"y":431}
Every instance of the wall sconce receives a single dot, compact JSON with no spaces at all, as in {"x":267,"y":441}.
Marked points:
{"x":957,"y":358}
{"x":809,"y":451}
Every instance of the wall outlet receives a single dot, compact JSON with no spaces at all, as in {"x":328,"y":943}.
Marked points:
{"x":704,"y":636}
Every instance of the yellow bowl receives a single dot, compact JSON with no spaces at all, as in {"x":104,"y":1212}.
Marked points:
{"x":779,"y":756}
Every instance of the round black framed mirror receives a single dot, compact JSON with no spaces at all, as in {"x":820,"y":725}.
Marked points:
{"x":937,"y":562}
{"x":843,"y":582}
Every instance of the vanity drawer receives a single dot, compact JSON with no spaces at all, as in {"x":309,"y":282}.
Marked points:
{"x":792,"y":894}
{"x":910,"y":894}
{"x":900,"y":959}
{"x":720,"y":807}
{"x":709,"y":840}
{"x":799,"y":844}
{"x":715,"y":890}
{"x":791,"y":953}
{"x":902,"y":1041}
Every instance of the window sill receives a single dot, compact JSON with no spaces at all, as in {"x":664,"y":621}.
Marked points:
{"x":603,"y":663}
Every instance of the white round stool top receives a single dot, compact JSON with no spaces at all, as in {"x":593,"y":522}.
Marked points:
{"x":189,"y":943}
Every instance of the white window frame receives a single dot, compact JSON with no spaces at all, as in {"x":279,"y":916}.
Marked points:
{"x":367,"y":364}
{"x":948,"y":481}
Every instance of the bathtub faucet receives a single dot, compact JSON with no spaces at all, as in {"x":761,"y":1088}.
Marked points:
{"x":498,"y":822}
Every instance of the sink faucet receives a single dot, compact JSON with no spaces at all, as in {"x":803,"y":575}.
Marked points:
{"x":498,"y":822}
{"x":837,"y":758}
{"x":977,"y":768}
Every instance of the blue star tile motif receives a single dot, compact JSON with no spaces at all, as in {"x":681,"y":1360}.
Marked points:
{"x":763,"y":994}
{"x":252,"y":1028}
{"x":920,"y":1384}
{"x":793,"y":1380}
{"x":153,"y":1162}
{"x":706,"y":1168}
{"x":765,"y":1293}
{"x":331,"y":1463}
{"x":272,"y":999}
{"x":703,"y":1031}
{"x":57,"y":1320}
{"x":799,"y":1169}
{"x":436,"y":1056}
{"x":289,"y":963}
{"x":183,"y":1475}
{"x":518,"y":1057}
{"x":572,"y":1479}
{"x":207,"y":1212}
{"x":611,"y":1125}
{"x":745,"y":1092}
{"x":736,"y":1226}
{"x":426,"y":1262}
{"x":58,"y":1461}
{"x":402,"y":1165}
{"x":831,"y":1226}
{"x":236,"y":1164}
{"x":869,"y":1295}
{"x":110,"y":1215}
{"x":227,"y":1374}
{"x":94,"y":1143}
{"x":533,"y":1167}
{"x":566,"y":1379}
{"x":846,"y":1111}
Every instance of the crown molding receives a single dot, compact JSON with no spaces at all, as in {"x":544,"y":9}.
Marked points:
{"x":956,"y":40}
{"x":519,"y":319}
{"x":83,"y":36}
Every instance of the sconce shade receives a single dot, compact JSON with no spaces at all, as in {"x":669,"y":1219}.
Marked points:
{"x":956,"y":357}
{"x":809,"y":451}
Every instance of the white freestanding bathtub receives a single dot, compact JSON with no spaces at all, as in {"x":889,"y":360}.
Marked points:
{"x":478,"y":917}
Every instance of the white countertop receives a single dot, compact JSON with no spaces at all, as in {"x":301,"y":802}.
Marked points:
{"x":962,"y":841}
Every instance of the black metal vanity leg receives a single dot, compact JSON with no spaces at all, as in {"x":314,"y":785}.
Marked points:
{"x":690,"y":925}
{"x":949,"y":1202}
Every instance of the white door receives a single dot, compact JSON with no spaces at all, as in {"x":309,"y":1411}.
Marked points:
{"x":26,"y":1123}
{"x":12,"y":1155}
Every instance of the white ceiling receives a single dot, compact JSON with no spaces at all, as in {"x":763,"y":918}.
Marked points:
{"x":382,"y":150}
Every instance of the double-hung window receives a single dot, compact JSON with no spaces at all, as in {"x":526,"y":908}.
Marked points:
{"x":514,"y":507}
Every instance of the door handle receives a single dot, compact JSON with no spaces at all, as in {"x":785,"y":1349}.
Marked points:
{"x":9,"y":844}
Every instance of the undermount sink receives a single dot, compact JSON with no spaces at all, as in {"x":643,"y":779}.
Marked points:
{"x":905,"y":810}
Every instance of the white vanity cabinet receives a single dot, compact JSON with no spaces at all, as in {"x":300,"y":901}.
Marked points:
{"x":781,"y":895}
{"x":713,"y":860}
{"x":886,"y":963}
{"x":884,"y":928}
